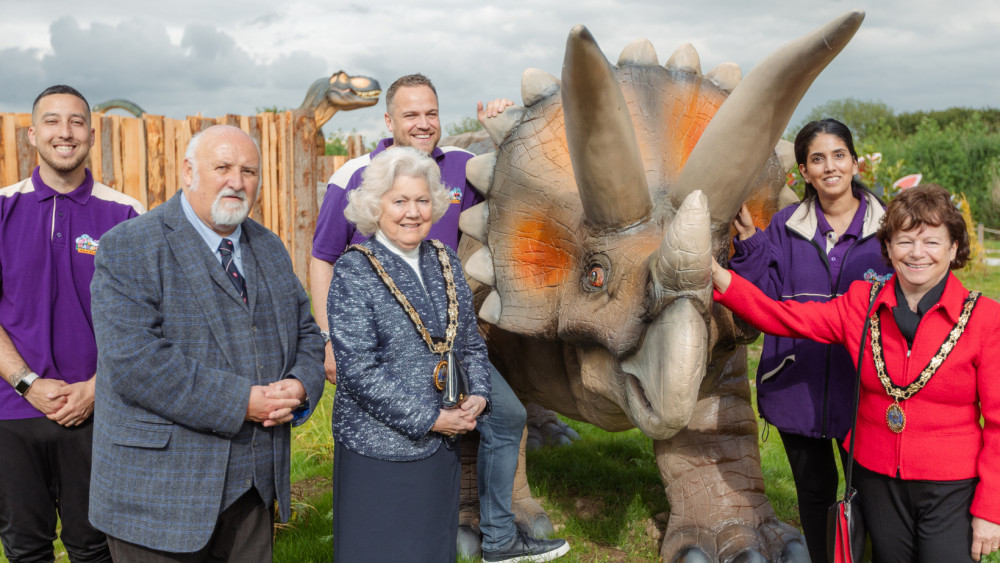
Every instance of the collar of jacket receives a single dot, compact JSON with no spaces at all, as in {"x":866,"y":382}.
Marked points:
{"x":804,"y":221}
{"x":951,"y":301}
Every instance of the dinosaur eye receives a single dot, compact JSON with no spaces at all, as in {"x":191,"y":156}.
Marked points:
{"x":596,"y":277}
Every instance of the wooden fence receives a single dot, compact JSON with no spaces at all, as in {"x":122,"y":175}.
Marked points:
{"x":142,"y":157}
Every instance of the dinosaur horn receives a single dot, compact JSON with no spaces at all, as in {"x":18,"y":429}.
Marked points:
{"x":600,"y":136}
{"x":747,"y":126}
{"x":683,"y":262}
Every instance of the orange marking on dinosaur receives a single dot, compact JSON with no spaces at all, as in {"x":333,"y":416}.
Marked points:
{"x":542,"y":259}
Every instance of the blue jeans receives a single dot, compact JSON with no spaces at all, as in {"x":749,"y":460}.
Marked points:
{"x":499,"y":445}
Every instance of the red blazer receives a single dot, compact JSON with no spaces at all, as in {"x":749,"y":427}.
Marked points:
{"x":943,"y":439}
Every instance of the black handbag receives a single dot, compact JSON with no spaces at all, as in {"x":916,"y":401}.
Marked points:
{"x":453,"y":383}
{"x":845,"y":529}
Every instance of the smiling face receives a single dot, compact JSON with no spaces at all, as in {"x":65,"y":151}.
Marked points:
{"x":413,"y":118}
{"x":223,"y":178}
{"x":406,"y":212}
{"x":60,"y":130}
{"x":829,"y":167}
{"x":921,"y":257}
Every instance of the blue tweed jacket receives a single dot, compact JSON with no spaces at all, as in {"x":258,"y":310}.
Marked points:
{"x":168,"y":399}
{"x":386,"y":403}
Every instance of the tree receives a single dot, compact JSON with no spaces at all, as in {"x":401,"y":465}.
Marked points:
{"x":467,"y":124}
{"x":861,"y":116}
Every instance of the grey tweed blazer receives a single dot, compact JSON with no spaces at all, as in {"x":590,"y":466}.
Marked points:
{"x":168,"y":401}
{"x":386,"y":403}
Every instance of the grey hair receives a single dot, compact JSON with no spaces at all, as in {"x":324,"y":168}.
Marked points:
{"x":364,"y":207}
{"x":192,"y":148}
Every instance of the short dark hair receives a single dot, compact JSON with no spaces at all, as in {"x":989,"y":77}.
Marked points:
{"x":61,"y":89}
{"x":408,"y":80}
{"x":827,"y":126}
{"x":926,"y":204}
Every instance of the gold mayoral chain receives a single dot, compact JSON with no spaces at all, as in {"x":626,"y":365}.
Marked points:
{"x":439,"y":348}
{"x":895,"y":418}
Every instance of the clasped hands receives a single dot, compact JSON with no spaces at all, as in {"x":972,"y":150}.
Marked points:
{"x":461,"y":419}
{"x":273,"y":404}
{"x":66,"y":404}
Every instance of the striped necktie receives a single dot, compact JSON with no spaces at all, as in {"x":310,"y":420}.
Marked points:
{"x":234,"y":275}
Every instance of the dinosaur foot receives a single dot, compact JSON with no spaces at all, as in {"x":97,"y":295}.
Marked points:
{"x":531,"y":517}
{"x":469,"y":542}
{"x":735,"y":542}
{"x":546,"y":429}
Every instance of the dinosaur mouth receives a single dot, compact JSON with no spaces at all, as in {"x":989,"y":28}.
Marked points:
{"x":637,"y":398}
{"x":664,"y":374}
{"x":365,"y":93}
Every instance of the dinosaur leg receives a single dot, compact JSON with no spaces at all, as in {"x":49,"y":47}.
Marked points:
{"x":545,"y":428}
{"x":714,"y":482}
{"x":527,"y":513}
{"x":468,"y":512}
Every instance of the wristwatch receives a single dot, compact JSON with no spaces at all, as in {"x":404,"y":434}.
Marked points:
{"x":326,"y":336}
{"x":22,"y":386}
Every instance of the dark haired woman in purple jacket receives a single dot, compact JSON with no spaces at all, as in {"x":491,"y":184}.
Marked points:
{"x":812,"y":251}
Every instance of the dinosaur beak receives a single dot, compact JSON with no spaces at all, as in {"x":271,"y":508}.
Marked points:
{"x":664,"y":375}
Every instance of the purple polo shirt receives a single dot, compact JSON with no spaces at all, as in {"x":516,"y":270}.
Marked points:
{"x":836,"y":248}
{"x":47,"y":246}
{"x":334,"y":233}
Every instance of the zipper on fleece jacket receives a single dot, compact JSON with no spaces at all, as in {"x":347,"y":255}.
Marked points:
{"x":826,"y":362}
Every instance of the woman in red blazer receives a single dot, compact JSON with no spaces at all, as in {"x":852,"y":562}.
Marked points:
{"x":928,"y":475}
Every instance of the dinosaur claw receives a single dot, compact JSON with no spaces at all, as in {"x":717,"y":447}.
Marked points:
{"x":692,"y":554}
{"x":794,"y":552}
{"x":749,"y":556}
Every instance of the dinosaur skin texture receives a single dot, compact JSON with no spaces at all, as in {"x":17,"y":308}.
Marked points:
{"x":609,"y":195}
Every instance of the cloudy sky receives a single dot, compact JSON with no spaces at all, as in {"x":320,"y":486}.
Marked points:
{"x":184,"y":57}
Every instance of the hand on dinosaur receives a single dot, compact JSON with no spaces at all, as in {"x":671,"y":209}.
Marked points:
{"x":492,"y":109}
{"x":744,"y":223}
{"x":721,"y":277}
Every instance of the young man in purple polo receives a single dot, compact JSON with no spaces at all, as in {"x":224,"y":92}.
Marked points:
{"x":50,"y":228}
{"x":412,"y":117}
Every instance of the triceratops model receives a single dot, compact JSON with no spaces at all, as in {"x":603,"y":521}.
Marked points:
{"x":607,"y":198}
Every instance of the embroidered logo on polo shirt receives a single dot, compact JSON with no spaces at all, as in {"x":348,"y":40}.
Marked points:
{"x":456,"y":195}
{"x":86,"y":245}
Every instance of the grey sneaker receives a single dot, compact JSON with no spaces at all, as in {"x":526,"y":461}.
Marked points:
{"x":526,"y":548}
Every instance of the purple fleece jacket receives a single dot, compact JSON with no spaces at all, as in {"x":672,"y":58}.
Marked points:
{"x":804,"y":387}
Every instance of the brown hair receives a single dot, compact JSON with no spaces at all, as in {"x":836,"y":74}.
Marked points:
{"x":926,"y":204}
{"x":407,"y":81}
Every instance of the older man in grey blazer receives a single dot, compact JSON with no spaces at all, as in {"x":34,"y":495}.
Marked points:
{"x":206,"y":351}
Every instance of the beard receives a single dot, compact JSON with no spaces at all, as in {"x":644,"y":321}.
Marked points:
{"x":64,"y":166}
{"x":230,"y":214}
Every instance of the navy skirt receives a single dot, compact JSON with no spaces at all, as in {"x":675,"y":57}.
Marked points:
{"x":390,"y":511}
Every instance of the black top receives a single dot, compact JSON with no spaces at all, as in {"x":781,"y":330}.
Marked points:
{"x":906,"y":319}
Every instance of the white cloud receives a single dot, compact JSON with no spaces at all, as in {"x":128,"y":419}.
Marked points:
{"x":212,"y":57}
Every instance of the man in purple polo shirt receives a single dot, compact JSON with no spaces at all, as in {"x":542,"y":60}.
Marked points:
{"x":412,"y":117}
{"x":50,"y":228}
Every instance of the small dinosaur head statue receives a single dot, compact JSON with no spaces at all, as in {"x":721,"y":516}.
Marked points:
{"x":340,"y":92}
{"x":609,"y":194}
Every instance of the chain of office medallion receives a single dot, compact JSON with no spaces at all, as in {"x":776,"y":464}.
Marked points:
{"x":449,"y":282}
{"x":901,"y":393}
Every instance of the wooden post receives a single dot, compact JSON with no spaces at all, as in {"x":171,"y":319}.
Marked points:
{"x":981,"y":235}
{"x":170,"y":164}
{"x":133,"y":151}
{"x":108,"y":172}
{"x":304,"y":205}
{"x":8,"y":150}
{"x":155,"y":181}
{"x":96,"y":163}
{"x":27,"y":156}
{"x":116,"y":152}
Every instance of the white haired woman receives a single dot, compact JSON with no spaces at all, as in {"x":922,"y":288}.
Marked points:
{"x":398,"y":304}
